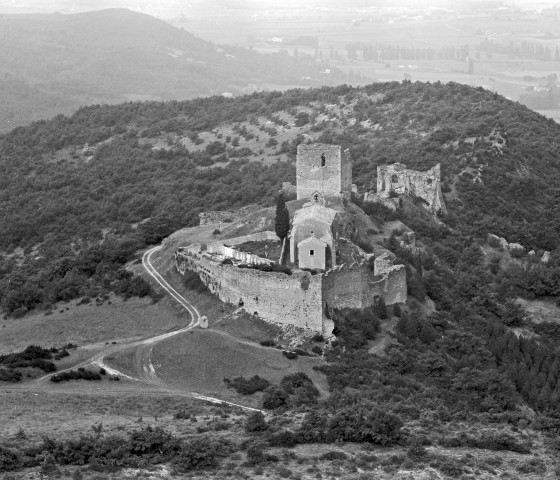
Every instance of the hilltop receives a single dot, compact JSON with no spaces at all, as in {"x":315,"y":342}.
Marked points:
{"x":55,"y":63}
{"x":461,"y":381}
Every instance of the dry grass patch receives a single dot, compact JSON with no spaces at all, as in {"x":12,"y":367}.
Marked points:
{"x":91,"y":324}
{"x":199,"y":360}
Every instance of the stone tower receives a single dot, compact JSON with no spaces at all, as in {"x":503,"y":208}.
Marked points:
{"x":323,"y":169}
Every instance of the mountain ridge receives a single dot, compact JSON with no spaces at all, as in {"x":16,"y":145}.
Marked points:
{"x":113,"y":55}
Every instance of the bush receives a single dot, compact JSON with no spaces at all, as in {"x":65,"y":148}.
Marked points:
{"x":355,"y":326}
{"x":80,"y":374}
{"x":255,"y":423}
{"x":334,"y":455}
{"x":200,"y":453}
{"x":283,"y":438}
{"x":365,"y":422}
{"x":249,"y":386}
{"x":9,"y":460}
{"x":10,"y":375}
{"x":290,"y":355}
{"x":274,"y":397}
{"x":301,"y":387}
{"x":318,"y":337}
{"x":317,"y":350}
{"x":268,"y":343}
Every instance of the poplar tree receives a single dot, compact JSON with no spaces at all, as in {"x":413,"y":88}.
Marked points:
{"x":282,"y":221}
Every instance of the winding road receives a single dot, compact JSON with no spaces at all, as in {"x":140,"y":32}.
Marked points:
{"x":144,"y":348}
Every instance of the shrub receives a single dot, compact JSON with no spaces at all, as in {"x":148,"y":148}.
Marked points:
{"x":267,"y":343}
{"x":10,"y":375}
{"x":301,"y":387}
{"x":283,"y":438}
{"x":255,"y":422}
{"x":248,"y":386}
{"x":365,"y":422}
{"x":80,"y":374}
{"x":290,"y":355}
{"x":334,"y":455}
{"x":317,"y":350}
{"x":9,"y":460}
{"x":200,"y":453}
{"x":318,"y":337}
{"x":274,"y":397}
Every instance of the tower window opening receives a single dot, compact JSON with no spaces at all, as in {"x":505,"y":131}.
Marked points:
{"x":429,"y":181}
{"x":323,"y":160}
{"x":394,"y":179}
{"x":311,"y":253}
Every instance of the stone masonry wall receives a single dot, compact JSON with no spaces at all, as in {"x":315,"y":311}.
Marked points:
{"x":216,"y":247}
{"x":332,"y":178}
{"x":400,"y":180}
{"x":352,"y":287}
{"x":276,"y":297}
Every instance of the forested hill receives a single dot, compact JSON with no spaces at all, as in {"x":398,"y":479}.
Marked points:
{"x":54,"y":63}
{"x":67,"y":182}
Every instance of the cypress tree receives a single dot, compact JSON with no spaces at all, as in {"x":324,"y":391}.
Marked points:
{"x":282,"y":221}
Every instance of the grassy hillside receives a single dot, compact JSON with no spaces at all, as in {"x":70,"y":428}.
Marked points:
{"x":54,"y":63}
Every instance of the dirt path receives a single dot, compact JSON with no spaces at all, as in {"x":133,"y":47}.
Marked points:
{"x":144,"y":369}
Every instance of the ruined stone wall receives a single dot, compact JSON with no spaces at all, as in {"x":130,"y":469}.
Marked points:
{"x":397,"y":179}
{"x":356,"y":286}
{"x":216,"y":247}
{"x":208,"y":218}
{"x":352,"y":286}
{"x":323,"y":168}
{"x":244,"y":257}
{"x":275,"y":297}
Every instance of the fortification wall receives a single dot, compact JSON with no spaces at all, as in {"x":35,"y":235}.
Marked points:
{"x":276,"y":297}
{"x":352,"y":286}
{"x":323,"y":168}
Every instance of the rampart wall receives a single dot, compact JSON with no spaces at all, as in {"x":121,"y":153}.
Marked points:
{"x":276,"y":297}
{"x":356,"y":286}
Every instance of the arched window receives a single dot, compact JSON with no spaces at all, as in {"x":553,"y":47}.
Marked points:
{"x":323,"y":160}
{"x":429,"y":181}
{"x":394,"y":179}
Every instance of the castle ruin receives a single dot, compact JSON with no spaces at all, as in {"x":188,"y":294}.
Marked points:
{"x":396,"y":180}
{"x":320,"y":226}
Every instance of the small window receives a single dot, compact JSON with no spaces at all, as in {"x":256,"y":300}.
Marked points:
{"x":429,"y":181}
{"x":394,"y":179}
{"x":323,"y":160}
{"x":311,"y":232}
{"x":311,"y":252}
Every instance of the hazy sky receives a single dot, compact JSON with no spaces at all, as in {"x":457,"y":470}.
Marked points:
{"x":168,"y":8}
